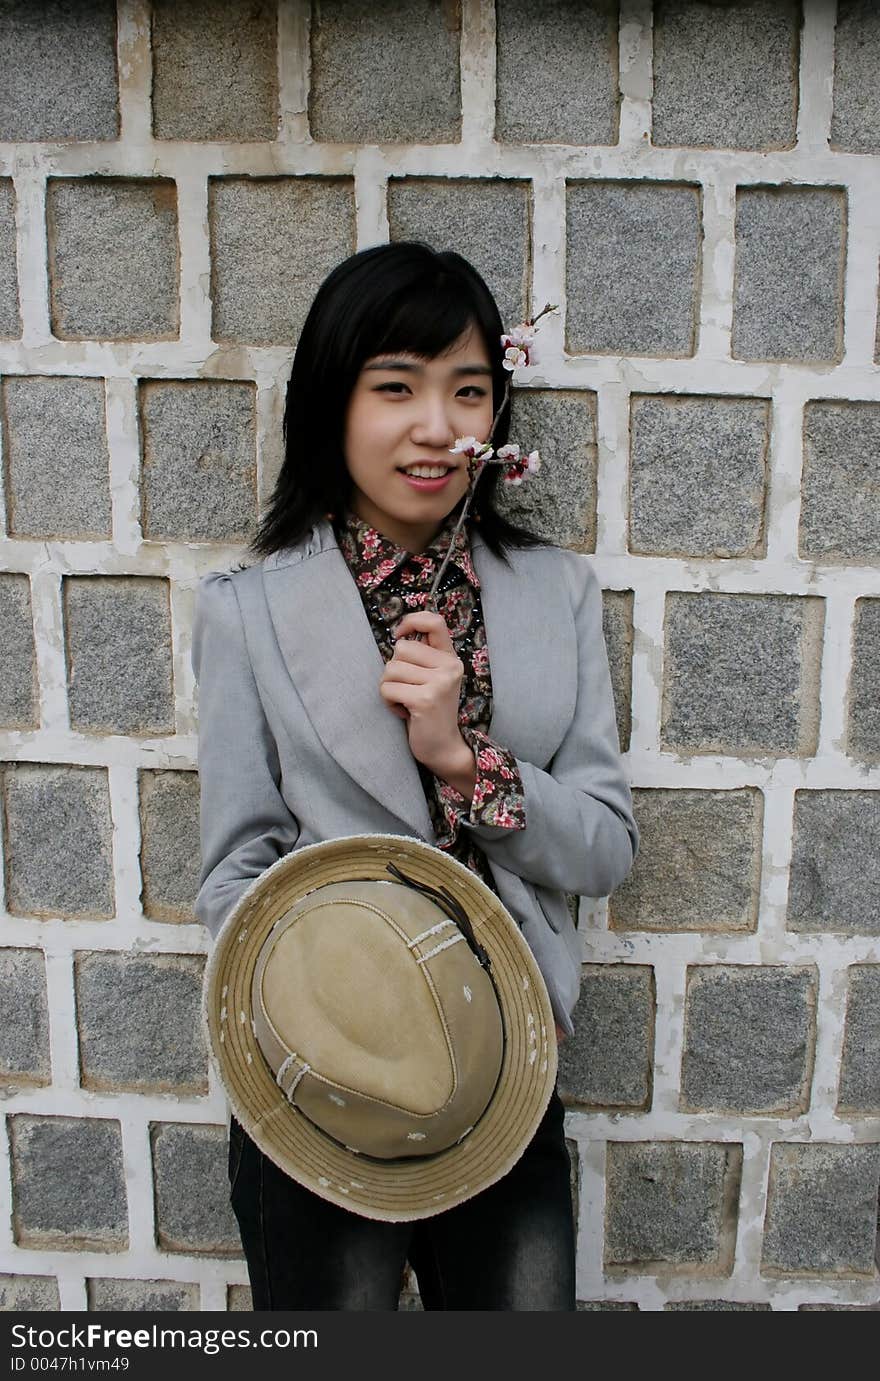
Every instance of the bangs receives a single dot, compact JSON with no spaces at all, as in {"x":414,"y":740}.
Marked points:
{"x":425,"y":319}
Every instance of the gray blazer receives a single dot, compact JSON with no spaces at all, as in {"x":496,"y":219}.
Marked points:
{"x":296,"y":745}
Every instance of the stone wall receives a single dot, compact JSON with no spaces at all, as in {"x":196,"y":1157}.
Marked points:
{"x":695,"y":184}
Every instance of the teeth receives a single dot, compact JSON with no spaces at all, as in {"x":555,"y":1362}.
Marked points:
{"x":426,"y":472}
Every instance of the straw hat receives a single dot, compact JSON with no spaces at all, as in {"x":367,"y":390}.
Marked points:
{"x":386,"y":1043}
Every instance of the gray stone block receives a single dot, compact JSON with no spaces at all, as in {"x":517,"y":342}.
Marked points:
{"x":107,"y":1296}
{"x":485,"y":220}
{"x":608,"y":1061}
{"x":10,"y":321}
{"x":199,"y":476}
{"x":193,"y":1214}
{"x":788,"y":279}
{"x":834,"y":880}
{"x":574,"y":1176}
{"x":559,"y":503}
{"x":215,"y":69}
{"x":557,"y":72}
{"x":139,"y":1020}
{"x":24,"y":1032}
{"x":68,"y":1184}
{"x":671,"y":1205}
{"x":118,"y":635}
{"x":113,"y":258}
{"x":383,"y":72}
{"x":170,"y":848}
{"x":19,"y":693}
{"x":273,"y":241}
{"x":59,"y":70}
{"x":410,"y":1301}
{"x":632,"y":268}
{"x":741,"y":674}
{"x":821,"y":1210}
{"x":840,"y":1308}
{"x":722,"y":1305}
{"x":855,"y":123}
{"x":750,"y":1035}
{"x":604,"y":1306}
{"x":617,"y":627}
{"x":699,"y":862}
{"x":27,"y":1294}
{"x":863,"y":725}
{"x":71,"y":807}
{"x":58,"y":465}
{"x":726,"y":76}
{"x":859,"y":1090}
{"x":840,"y":515}
{"x":239,"y":1299}
{"x":698,"y":472}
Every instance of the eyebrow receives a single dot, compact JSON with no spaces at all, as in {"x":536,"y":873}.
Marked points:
{"x":407,"y":367}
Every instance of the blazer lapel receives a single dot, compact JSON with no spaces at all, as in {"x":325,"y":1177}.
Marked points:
{"x":330,"y":652}
{"x":532,"y":652}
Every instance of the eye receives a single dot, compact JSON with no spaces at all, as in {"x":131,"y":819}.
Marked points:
{"x":473,"y":391}
{"x":395,"y":386}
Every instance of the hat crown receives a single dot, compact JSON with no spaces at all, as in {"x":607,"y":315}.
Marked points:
{"x":377,"y":1019}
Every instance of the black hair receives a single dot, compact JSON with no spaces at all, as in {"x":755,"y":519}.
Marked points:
{"x":403,"y":296}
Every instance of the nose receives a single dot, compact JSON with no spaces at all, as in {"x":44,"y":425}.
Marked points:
{"x":433,"y":425}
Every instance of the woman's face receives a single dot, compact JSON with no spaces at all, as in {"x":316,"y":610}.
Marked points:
{"x":403,"y":416}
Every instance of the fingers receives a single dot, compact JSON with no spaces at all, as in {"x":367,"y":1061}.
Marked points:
{"x":420,"y":654}
{"x":404,"y":672}
{"x":432,"y":625}
{"x":399,"y":694}
{"x":444,"y":677}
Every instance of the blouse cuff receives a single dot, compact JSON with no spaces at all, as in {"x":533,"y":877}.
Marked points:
{"x":499,"y":795}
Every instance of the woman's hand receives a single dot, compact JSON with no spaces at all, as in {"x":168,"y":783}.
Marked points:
{"x":422,"y":684}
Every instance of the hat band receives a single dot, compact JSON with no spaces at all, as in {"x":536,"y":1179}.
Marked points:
{"x":447,"y":902}
{"x":302,"y":1069}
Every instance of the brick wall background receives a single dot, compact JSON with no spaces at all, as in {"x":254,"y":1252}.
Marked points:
{"x":697,"y":185}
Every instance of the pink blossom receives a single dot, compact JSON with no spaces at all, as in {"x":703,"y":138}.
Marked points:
{"x":520,"y":466}
{"x":522,"y":336}
{"x":471,"y":447}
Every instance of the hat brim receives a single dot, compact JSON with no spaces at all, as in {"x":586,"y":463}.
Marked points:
{"x":395,"y":1190}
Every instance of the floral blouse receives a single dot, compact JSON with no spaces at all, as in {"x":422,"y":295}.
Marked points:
{"x":392,"y":581}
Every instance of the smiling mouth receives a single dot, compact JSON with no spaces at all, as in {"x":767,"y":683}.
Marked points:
{"x":426,"y":472}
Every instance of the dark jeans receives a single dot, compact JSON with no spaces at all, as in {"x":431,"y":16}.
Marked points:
{"x":511,"y":1247}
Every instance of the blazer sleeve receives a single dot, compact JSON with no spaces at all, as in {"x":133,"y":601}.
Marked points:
{"x":580,"y":835}
{"x":245,"y":823}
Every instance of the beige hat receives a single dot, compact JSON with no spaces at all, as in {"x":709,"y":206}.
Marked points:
{"x":380,"y":1026}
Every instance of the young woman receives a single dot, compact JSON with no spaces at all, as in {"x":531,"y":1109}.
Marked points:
{"x":333,"y":703}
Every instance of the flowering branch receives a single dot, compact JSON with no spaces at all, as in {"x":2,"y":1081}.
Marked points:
{"x":517,"y":345}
